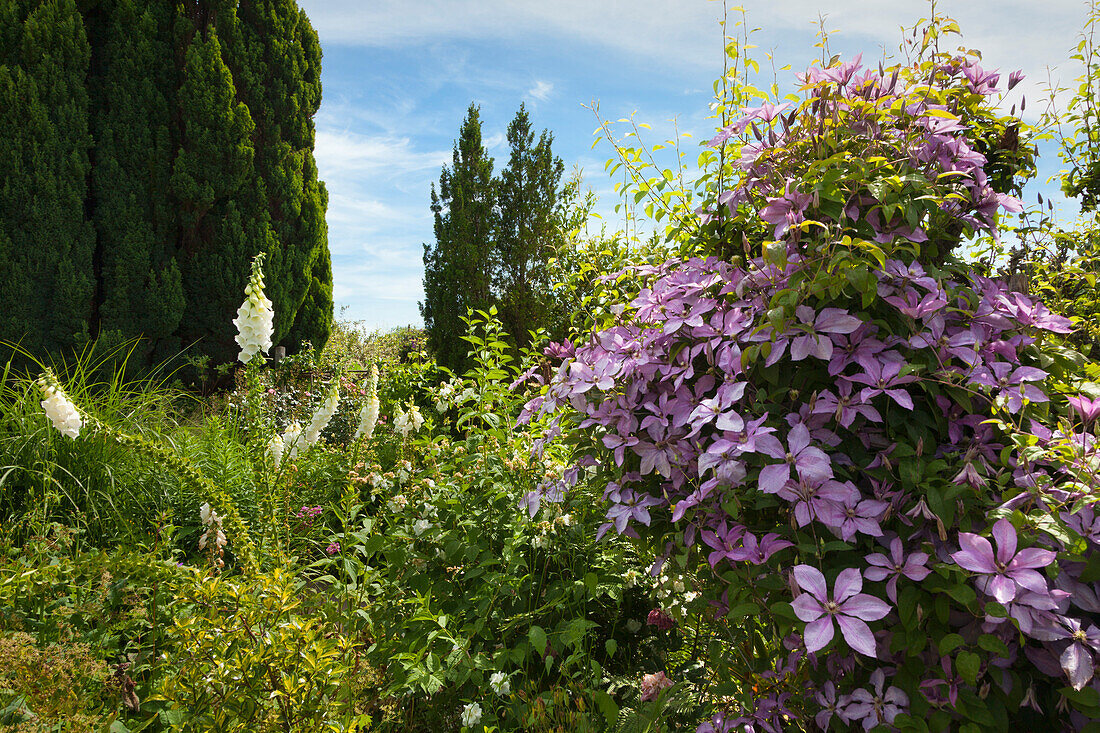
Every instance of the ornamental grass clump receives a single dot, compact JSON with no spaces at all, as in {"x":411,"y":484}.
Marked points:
{"x":832,"y":424}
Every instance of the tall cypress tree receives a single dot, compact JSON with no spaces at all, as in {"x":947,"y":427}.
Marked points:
{"x":458,"y":265}
{"x":275,"y":58}
{"x":213,"y":181}
{"x":140,"y":290}
{"x":528,"y":232}
{"x":46,"y":242}
{"x":200,"y":157}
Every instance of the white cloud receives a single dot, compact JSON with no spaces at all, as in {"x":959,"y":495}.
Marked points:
{"x":341,"y":151}
{"x":541,"y":91}
{"x":1012,"y":33}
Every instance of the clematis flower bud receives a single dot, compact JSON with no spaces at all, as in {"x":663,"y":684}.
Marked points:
{"x":255,"y":317}
{"x":59,"y":408}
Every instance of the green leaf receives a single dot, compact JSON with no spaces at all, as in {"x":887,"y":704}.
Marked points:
{"x":968,"y":664}
{"x":992,"y":644}
{"x":537,"y":637}
{"x":950,"y":643}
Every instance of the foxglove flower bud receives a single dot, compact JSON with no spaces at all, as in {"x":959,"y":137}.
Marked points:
{"x":59,"y":408}
{"x":255,"y":317}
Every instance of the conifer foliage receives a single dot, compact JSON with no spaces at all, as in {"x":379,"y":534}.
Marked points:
{"x":493,"y":237}
{"x":151,"y":150}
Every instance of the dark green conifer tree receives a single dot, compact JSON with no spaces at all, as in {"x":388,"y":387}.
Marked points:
{"x":46,"y":241}
{"x":140,"y":291}
{"x":201,"y":114}
{"x":275,"y":58}
{"x":529,"y":231}
{"x":458,"y":265}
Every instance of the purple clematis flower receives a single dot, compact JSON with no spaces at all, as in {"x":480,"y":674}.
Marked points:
{"x":627,"y":505}
{"x":881,"y":706}
{"x":756,"y":551}
{"x":809,"y":462}
{"x":1013,"y":383}
{"x":830,"y":706}
{"x":895,"y":566}
{"x":1077,"y":658}
{"x":1007,"y":571}
{"x":787,"y":210}
{"x":1086,"y":408}
{"x":827,"y":321}
{"x":882,"y":377}
{"x":950,"y":680}
{"x":843,"y":406}
{"x":861,"y":517}
{"x":820,"y":500}
{"x":847,"y":605}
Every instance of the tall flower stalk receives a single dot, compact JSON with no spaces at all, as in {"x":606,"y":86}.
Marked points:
{"x":255,"y":318}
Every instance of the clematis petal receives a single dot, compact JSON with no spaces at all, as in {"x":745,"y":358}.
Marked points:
{"x":976,"y":554}
{"x":1001,"y":588}
{"x":773,"y":477}
{"x":865,"y":607}
{"x":1032,"y":557}
{"x":807,"y":608}
{"x":1077,"y":663}
{"x":848,"y":583}
{"x":1005,"y":535}
{"x":857,"y":634}
{"x":819,"y":633}
{"x":812,"y":581}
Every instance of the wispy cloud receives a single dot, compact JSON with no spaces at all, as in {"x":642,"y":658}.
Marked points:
{"x":541,"y":91}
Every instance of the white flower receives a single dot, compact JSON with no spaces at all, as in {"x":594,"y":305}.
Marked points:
{"x":420,"y":526}
{"x":255,"y":318}
{"x":500,"y":684}
{"x":415,"y":418}
{"x":59,"y":408}
{"x":471,"y":714}
{"x":408,"y":422}
{"x":398,"y":503}
{"x":368,"y":416}
{"x":292,"y":439}
{"x":321,"y":416}
{"x":275,"y":448}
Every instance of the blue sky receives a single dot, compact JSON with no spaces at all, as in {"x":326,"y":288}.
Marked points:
{"x":398,"y":76}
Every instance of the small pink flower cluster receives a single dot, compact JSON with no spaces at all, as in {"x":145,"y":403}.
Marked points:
{"x":307,"y":514}
{"x":333,"y":548}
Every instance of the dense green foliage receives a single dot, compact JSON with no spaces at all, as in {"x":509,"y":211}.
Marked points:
{"x":457,"y":266}
{"x":494,"y":238}
{"x":152,"y":149}
{"x":651,"y":525}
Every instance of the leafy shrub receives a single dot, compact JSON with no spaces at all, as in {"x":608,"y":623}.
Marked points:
{"x":831,"y":427}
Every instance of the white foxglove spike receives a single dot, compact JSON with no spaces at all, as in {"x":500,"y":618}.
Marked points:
{"x":321,"y":417}
{"x":255,"y":319}
{"x":59,"y":408}
{"x":368,"y":416}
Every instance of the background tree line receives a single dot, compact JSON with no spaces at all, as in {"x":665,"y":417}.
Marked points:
{"x":150,"y":149}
